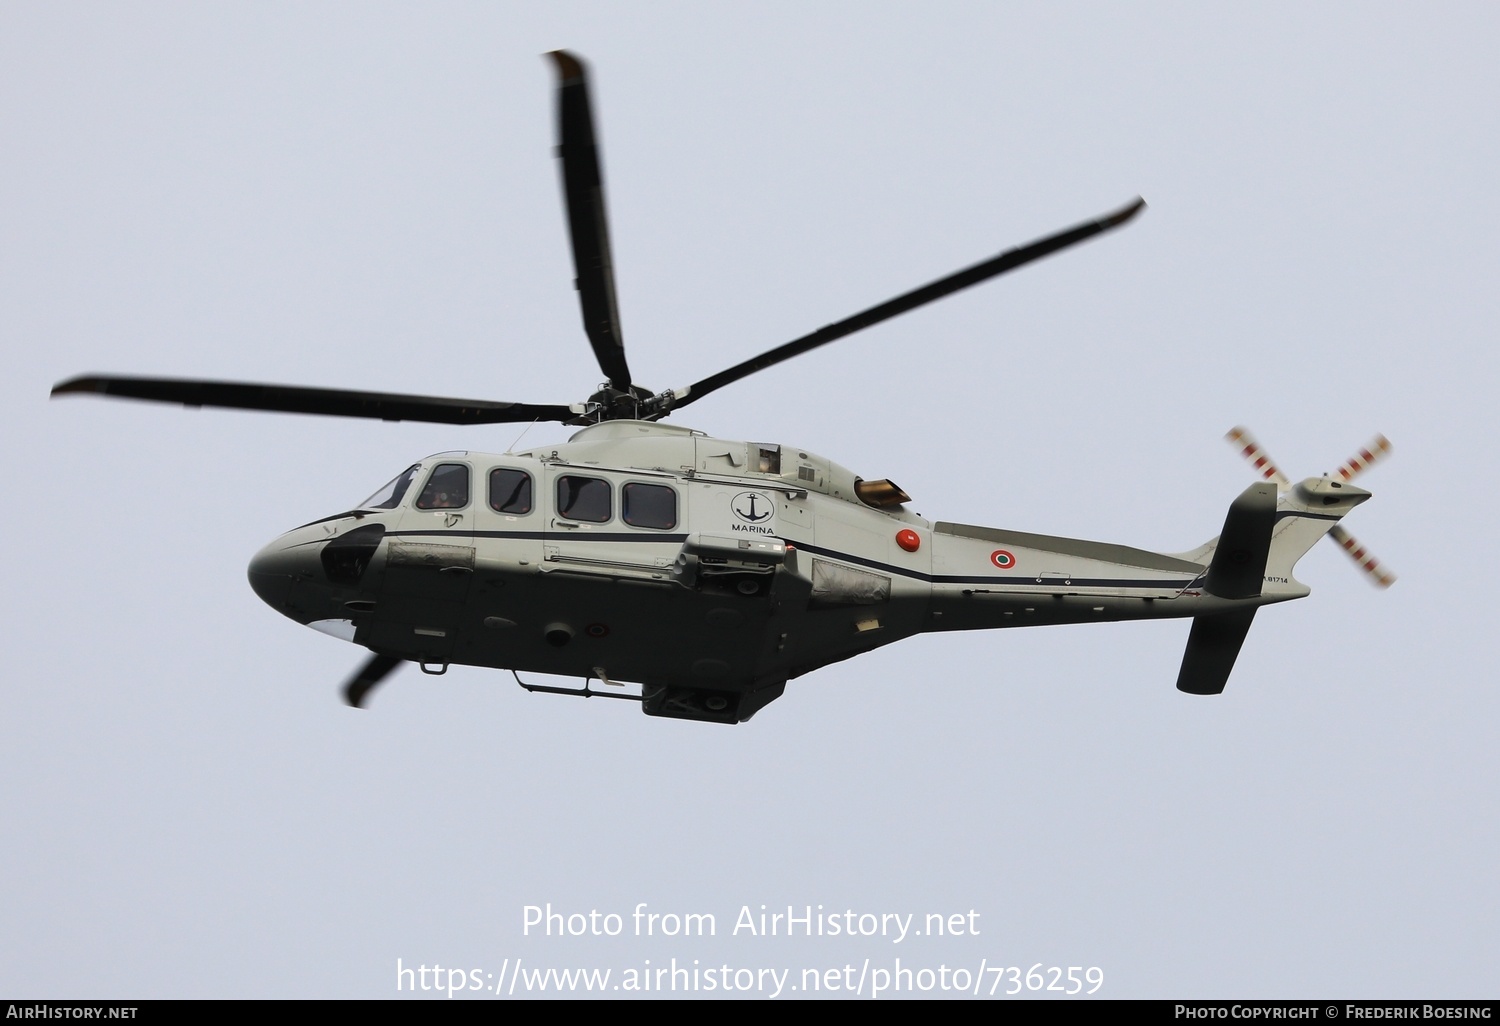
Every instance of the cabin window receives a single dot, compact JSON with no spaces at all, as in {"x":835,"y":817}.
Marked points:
{"x":394,"y":491}
{"x":649,"y":505}
{"x":510,"y":491}
{"x":447,"y":488}
{"x":768,"y":459}
{"x":583,"y":498}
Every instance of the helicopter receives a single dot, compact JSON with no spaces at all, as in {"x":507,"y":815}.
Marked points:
{"x":710,"y":572}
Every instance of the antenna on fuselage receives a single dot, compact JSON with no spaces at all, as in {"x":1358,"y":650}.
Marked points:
{"x":512,"y":450}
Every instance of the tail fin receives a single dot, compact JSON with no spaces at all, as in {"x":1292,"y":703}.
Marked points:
{"x":1243,"y":548}
{"x":1306,"y":512}
{"x":1237,"y":571}
{"x":1263,"y":538}
{"x":1212,"y":648}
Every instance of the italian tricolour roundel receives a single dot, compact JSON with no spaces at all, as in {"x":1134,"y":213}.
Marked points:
{"x":1002,"y":559}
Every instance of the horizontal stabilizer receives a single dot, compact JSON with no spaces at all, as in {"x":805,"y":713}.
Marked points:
{"x":1212,"y":648}
{"x":1239,"y":565}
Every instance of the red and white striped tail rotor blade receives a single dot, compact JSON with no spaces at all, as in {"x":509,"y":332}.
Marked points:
{"x":1361,"y":555}
{"x":1367,"y":457}
{"x":1256,"y":456}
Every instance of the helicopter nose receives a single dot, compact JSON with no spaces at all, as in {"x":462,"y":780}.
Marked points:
{"x":312,"y":572}
{"x":272,"y":571}
{"x":282,"y":573}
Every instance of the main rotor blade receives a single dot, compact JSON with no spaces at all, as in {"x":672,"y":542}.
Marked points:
{"x":334,"y":402}
{"x":375,"y":670}
{"x":1007,"y":261}
{"x":584,"y":189}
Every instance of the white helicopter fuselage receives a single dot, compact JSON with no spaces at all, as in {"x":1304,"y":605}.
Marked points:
{"x":711,"y":572}
{"x":708,"y":571}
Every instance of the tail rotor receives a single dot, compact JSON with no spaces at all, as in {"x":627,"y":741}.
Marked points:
{"x":1363,"y":460}
{"x":1257,"y":457}
{"x":1376,"y":450}
{"x":1377,"y":573}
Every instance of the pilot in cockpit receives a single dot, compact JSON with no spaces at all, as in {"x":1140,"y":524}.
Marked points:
{"x":447,"y":488}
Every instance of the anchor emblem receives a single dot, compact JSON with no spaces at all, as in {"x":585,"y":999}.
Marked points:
{"x":745,"y":507}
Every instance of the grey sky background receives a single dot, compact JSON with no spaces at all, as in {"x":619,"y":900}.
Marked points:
{"x":364,"y":196}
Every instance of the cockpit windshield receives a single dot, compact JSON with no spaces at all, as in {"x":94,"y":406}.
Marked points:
{"x":390,"y":496}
